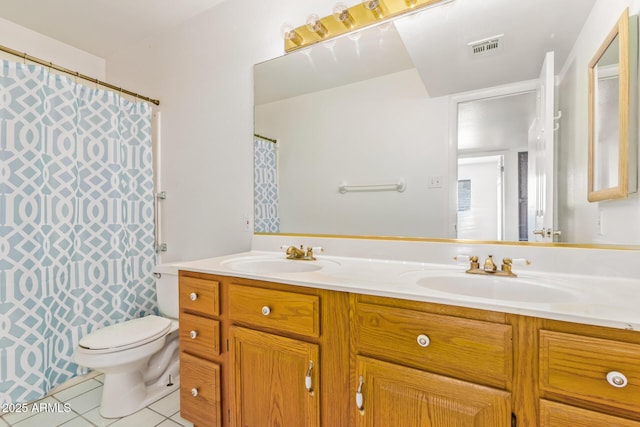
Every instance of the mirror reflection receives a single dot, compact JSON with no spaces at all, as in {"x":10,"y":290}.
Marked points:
{"x":441,"y":124}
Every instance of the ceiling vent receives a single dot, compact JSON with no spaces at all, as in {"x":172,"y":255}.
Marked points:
{"x":485,"y":46}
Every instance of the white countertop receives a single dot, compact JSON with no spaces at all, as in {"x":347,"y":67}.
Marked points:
{"x":593,"y":300}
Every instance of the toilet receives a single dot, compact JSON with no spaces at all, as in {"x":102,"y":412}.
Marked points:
{"x":139,"y":357}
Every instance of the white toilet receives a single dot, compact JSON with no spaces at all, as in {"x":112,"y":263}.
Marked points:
{"x":139,"y":357}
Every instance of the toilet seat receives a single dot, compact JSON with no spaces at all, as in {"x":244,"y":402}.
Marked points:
{"x":129,"y":334}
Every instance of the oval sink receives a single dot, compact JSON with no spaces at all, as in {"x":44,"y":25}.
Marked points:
{"x":272,"y":265}
{"x":497,"y":288}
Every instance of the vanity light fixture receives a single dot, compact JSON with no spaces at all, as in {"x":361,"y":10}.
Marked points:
{"x":346,"y":19}
{"x":314,"y":24}
{"x":342,"y":15}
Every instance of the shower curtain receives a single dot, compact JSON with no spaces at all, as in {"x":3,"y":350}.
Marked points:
{"x":76,"y":222}
{"x":265,"y":186}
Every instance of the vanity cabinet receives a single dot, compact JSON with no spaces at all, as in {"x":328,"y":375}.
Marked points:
{"x":276,"y":354}
{"x":200,"y":361}
{"x":591,"y":372}
{"x":418,"y":364}
{"x":256,"y":353}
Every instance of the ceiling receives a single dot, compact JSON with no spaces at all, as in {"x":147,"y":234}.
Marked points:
{"x":436,"y":42}
{"x":101,"y":27}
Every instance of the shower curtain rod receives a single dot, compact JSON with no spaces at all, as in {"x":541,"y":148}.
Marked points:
{"x":275,"y":141}
{"x":76,"y":74}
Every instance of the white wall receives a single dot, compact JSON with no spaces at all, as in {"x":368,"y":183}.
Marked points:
{"x":581,"y":221}
{"x":202,"y":73}
{"x":362,"y":139}
{"x":27,"y":41}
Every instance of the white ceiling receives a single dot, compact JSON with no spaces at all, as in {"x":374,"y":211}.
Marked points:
{"x":101,"y":27}
{"x":435,"y":42}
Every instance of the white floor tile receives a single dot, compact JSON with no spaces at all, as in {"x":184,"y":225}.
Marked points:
{"x":168,"y":405}
{"x":86,"y":401}
{"x":97,"y":419}
{"x":76,"y":422}
{"x":76,"y":390}
{"x":177,"y":418}
{"x":144,"y":417}
{"x":169,"y":423}
{"x":26,"y":411}
{"x":47,"y":418}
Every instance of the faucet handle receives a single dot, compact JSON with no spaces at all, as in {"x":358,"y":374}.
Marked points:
{"x":520,"y":262}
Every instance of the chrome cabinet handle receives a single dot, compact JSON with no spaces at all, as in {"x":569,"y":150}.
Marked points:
{"x":359,"y":398}
{"x":266,"y":310}
{"x":193,"y":296}
{"x":617,"y":379}
{"x":193,"y":334}
{"x":423,"y":340}
{"x":307,"y":378}
{"x":194,"y":392}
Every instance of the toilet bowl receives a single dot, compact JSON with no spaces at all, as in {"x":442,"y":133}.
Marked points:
{"x":139,"y":357}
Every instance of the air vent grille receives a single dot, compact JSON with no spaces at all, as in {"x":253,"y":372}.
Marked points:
{"x":485,"y":46}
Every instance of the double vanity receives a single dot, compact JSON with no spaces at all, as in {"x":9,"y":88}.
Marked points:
{"x":350,"y":341}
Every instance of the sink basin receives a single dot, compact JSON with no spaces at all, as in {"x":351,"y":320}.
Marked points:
{"x":498,"y":288}
{"x":273,"y":265}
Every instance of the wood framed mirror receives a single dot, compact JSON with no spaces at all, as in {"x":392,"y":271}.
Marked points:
{"x":609,"y":112}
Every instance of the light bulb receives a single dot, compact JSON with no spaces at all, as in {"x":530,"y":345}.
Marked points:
{"x":289,"y":33}
{"x":374,"y":6}
{"x":314,"y":24}
{"x":341,"y":13}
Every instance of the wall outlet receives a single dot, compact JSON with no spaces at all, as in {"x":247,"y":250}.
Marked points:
{"x":435,"y":182}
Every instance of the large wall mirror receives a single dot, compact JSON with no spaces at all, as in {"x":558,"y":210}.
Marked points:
{"x":444,"y":123}
{"x":610,"y":78}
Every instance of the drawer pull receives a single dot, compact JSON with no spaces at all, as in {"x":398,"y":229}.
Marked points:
{"x":194,"y":392}
{"x":359,"y":398}
{"x":266,"y":310}
{"x":307,"y":378}
{"x":193,"y":296}
{"x":617,"y":379}
{"x":423,"y":340}
{"x":193,"y":334}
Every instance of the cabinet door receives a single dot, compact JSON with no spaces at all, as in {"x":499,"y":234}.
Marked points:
{"x":394,"y":395}
{"x":270,"y":379}
{"x":554,"y":414}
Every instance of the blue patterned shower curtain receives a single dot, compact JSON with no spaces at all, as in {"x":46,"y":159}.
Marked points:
{"x":76,"y":222}
{"x":265,"y":187}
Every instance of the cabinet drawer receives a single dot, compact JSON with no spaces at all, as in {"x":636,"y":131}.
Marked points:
{"x":284,"y":311}
{"x":200,"y":391}
{"x":469,"y":349}
{"x":200,"y":295}
{"x":554,"y":414}
{"x":574,"y":368}
{"x":199,"y":335}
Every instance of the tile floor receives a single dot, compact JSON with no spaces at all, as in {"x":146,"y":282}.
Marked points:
{"x":83,"y":396}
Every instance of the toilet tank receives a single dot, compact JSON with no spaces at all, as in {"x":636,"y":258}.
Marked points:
{"x":166,"y":276}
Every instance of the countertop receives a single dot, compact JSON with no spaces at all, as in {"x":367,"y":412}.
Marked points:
{"x":593,"y":300}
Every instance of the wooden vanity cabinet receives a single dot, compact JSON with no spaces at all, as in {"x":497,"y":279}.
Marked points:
{"x":289,"y":355}
{"x":422,"y":365}
{"x":200,"y":356}
{"x":262,"y":354}
{"x":588,"y":373}
{"x":257,"y":353}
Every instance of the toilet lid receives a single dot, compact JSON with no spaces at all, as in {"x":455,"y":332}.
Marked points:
{"x":125,"y":334}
